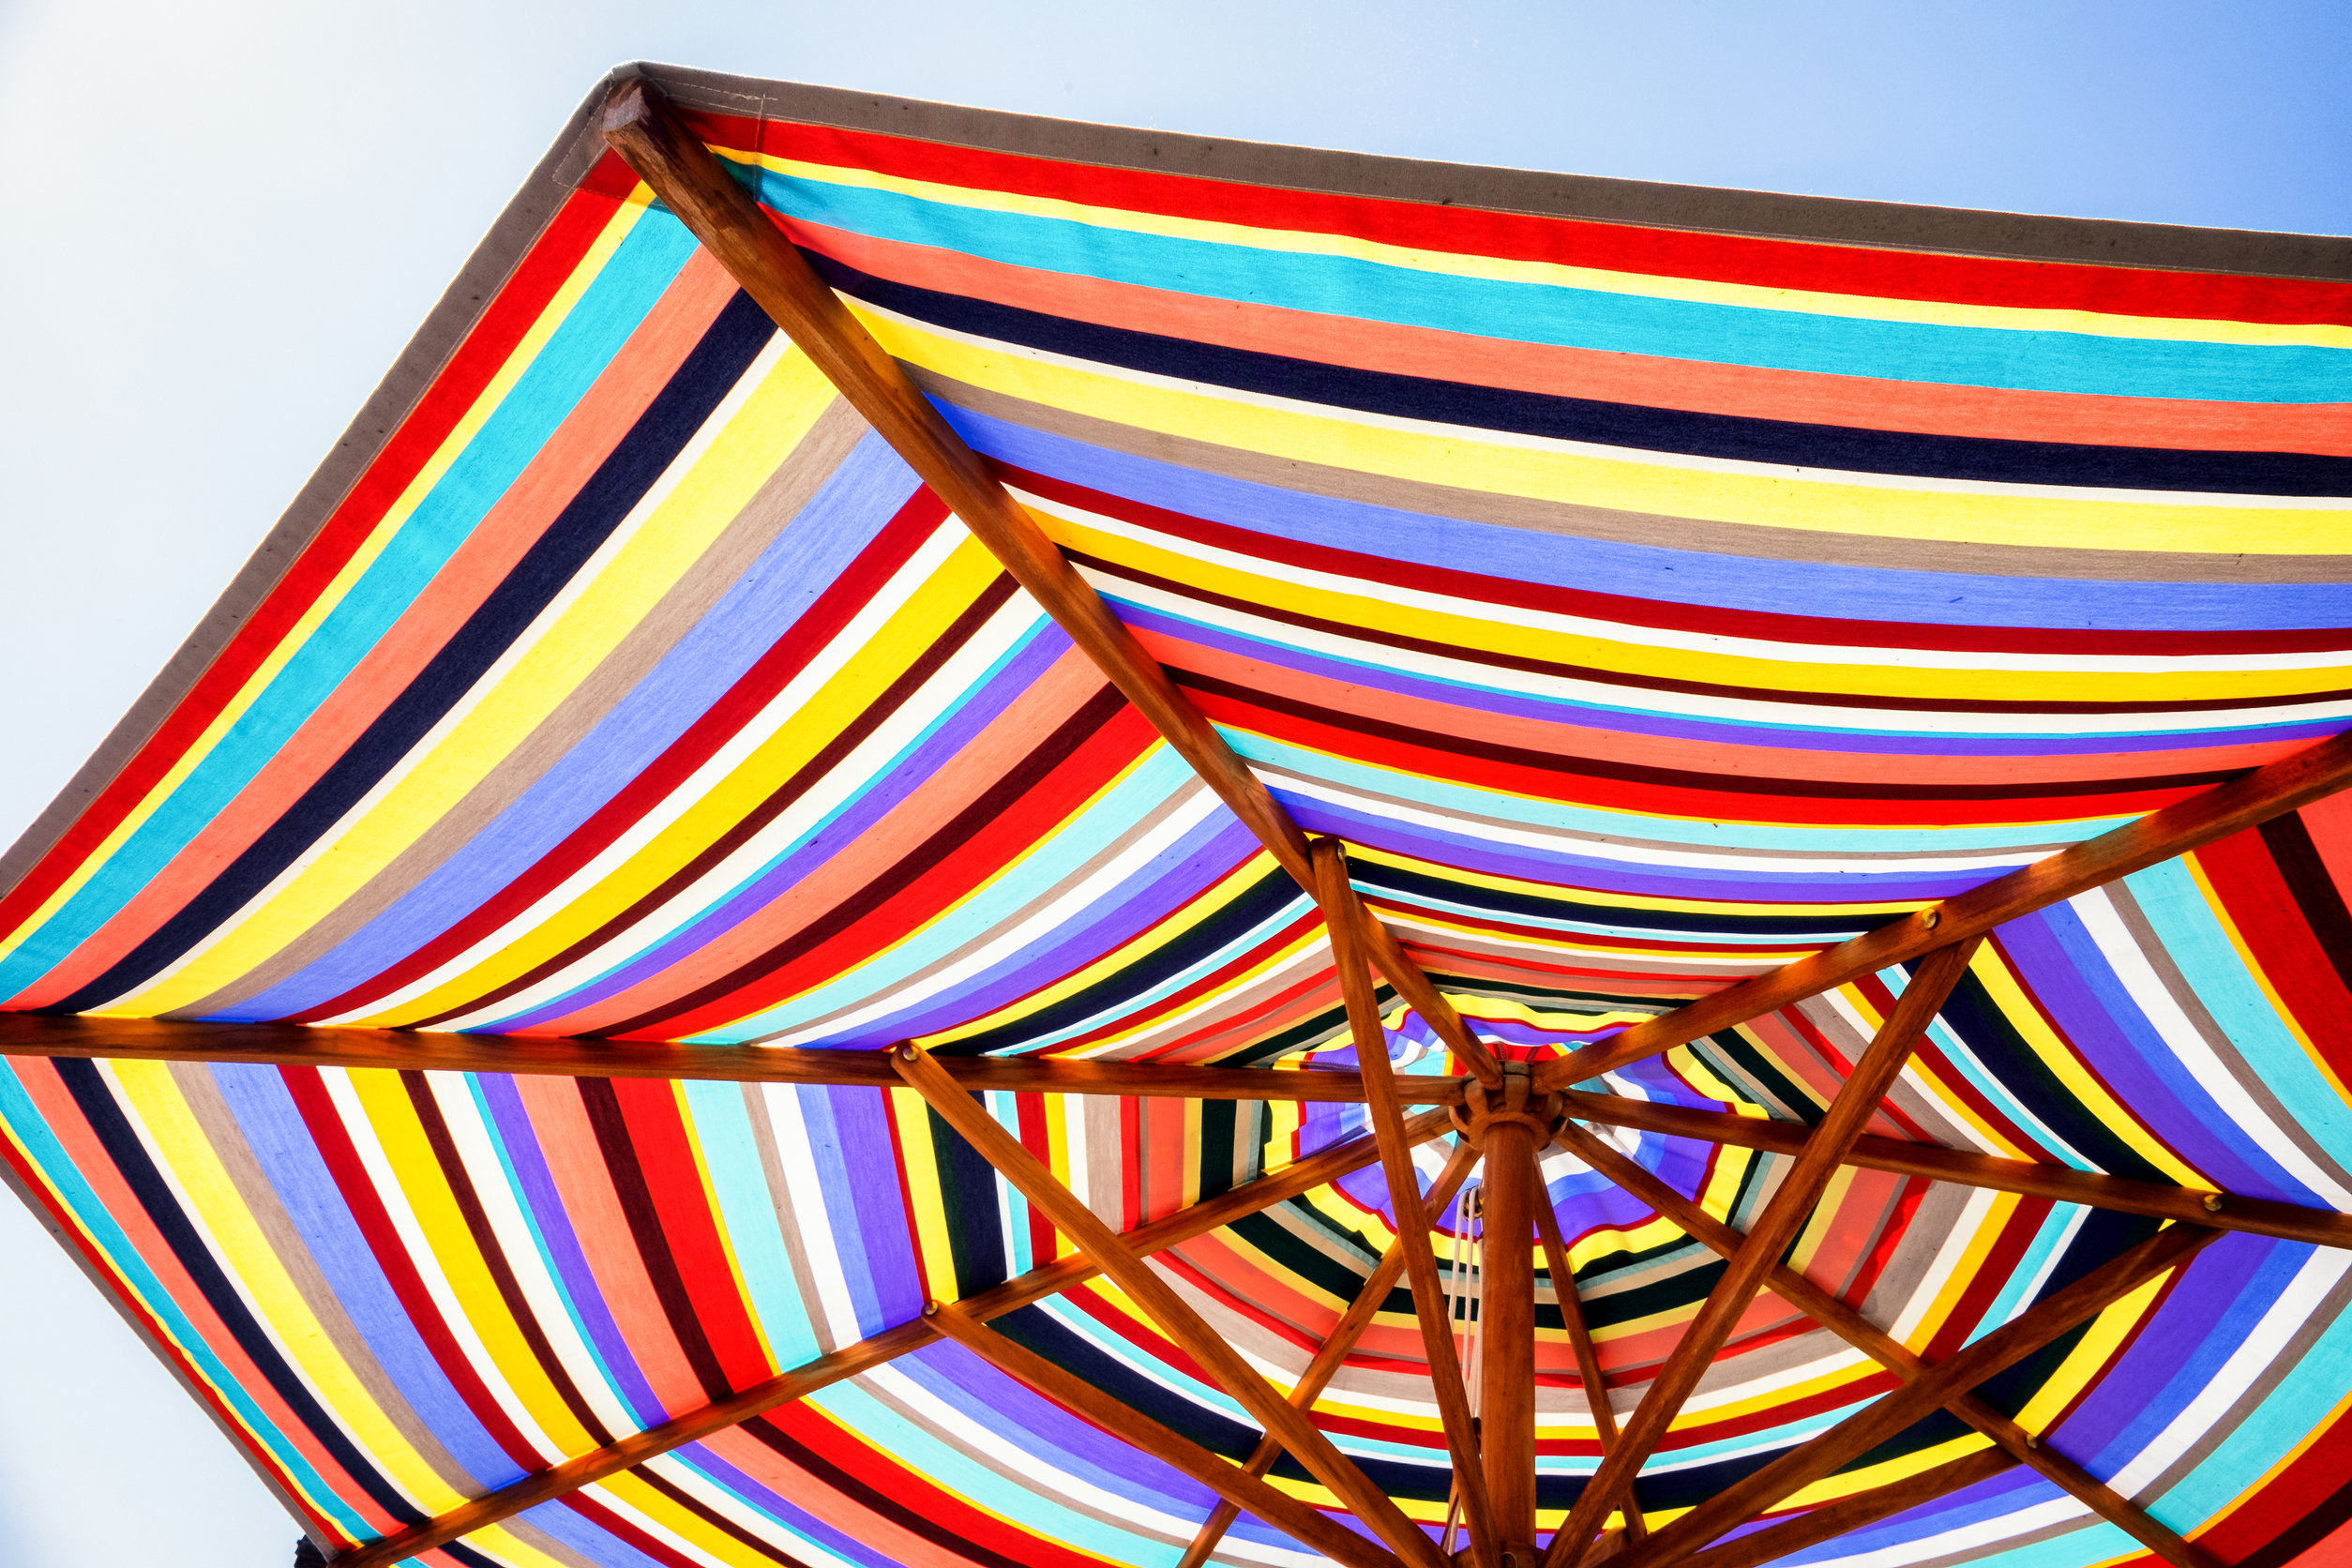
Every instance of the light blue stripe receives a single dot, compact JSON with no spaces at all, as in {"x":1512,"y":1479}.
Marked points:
{"x":1667,"y":832}
{"x":2193,"y":937}
{"x":30,"y":1130}
{"x":609,"y":310}
{"x":1347,"y":286}
{"x":1135,"y":797}
{"x":747,"y":1211}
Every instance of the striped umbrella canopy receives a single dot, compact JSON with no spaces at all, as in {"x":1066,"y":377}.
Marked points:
{"x":957,"y":839}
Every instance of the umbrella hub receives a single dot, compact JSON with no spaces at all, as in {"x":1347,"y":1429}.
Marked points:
{"x":1516,"y":1101}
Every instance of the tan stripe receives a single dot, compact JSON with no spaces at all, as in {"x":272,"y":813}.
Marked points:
{"x":226,"y":1136}
{"x":1693,"y":535}
{"x":688,"y":601}
{"x":1061,"y":888}
{"x":755,"y":1099}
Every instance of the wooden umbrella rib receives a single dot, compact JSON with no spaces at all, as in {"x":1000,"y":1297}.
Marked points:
{"x":1596,"y":1390}
{"x":2311,"y":773}
{"x":1183,"y":1326}
{"x":1888,"y":1351}
{"x":1295,"y":1180}
{"x":302,"y":1045}
{"x":1335,"y":1348}
{"x":1421,"y":1264}
{"x":1848,"y":1514}
{"x":1238,"y":1485}
{"x":1883,"y":1418}
{"x":2062,"y":1183}
{"x":641,"y":126}
{"x":1759,"y":1251}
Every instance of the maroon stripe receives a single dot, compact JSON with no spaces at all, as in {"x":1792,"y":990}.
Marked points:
{"x":477,"y":1225}
{"x":1717,"y":785}
{"x":893,"y":697}
{"x":2315,"y":893}
{"x":1816,"y":630}
{"x":358,"y":1190}
{"x":1643,"y":682}
{"x":637,"y":1203}
{"x":752,"y":691}
{"x":992,"y":803}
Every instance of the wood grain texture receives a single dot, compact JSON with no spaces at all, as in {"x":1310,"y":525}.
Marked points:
{"x":1596,"y":1389}
{"x":1292,"y":1181}
{"x":2266,"y":792}
{"x":1337,"y":895}
{"x":1336,"y":1347}
{"x":299,"y":1045}
{"x":2039,"y":1324}
{"x":1506,"y":1310}
{"x":1966,"y":1168}
{"x":1757,"y":1259}
{"x":1833,"y":1519}
{"x":1175,"y":1317}
{"x":1888,"y":1351}
{"x":1229,"y":1481}
{"x":642,"y":127}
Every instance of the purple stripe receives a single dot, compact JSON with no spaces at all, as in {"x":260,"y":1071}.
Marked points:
{"x":965,"y":721}
{"x":2056,"y":955}
{"x":559,"y":1245}
{"x":1794,"y":737}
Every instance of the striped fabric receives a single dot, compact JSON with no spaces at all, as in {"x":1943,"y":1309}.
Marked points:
{"x":1646,"y":604}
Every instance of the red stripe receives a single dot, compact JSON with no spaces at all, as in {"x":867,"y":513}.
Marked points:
{"x":1883,"y":273}
{"x":1992,"y":1276}
{"x":552,"y":260}
{"x":2283,"y":947}
{"x":1480,"y":589}
{"x":718,"y":724}
{"x":1697,"y":800}
{"x":1015,"y":833}
{"x":358,"y":1189}
{"x":690,"y":1228}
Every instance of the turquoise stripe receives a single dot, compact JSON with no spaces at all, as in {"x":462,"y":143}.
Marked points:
{"x":1160,"y":774}
{"x":2025,"y":1281}
{"x":2194,"y":938}
{"x":2009,"y":357}
{"x":1136,"y":1004}
{"x":737,"y":1034}
{"x":1666,"y":833}
{"x":2296,"y":1407}
{"x":1956,"y":1051}
{"x":945,"y":1466}
{"x":747,"y":1211}
{"x":562,"y":373}
{"x":30,"y":1130}
{"x":1012,"y":1206}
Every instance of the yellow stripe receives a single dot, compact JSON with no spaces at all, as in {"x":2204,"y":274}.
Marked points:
{"x":1546,"y":471}
{"x":214,"y":1200}
{"x":847,"y":694}
{"x":2099,"y":1345}
{"x":676,"y":535}
{"x":1752,"y":296}
{"x":2075,"y":1078}
{"x":392,"y":1117}
{"x":934,"y":1253}
{"x":558,"y":309}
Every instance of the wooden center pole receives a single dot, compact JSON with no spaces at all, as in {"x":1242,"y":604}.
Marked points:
{"x":1506,"y":1307}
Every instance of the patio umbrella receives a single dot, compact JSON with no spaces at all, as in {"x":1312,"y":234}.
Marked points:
{"x":953,"y":838}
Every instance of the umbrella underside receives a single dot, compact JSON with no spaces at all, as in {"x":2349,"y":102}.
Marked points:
{"x":1386,"y":736}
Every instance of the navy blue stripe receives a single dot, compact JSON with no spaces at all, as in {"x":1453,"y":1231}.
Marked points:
{"x":1632,"y":426}
{"x":88,"y":1088}
{"x":681,"y":409}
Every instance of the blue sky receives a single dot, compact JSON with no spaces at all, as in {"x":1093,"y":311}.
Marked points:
{"x":226,"y":220}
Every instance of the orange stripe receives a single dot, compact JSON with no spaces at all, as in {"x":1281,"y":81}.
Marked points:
{"x":587,"y":436}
